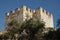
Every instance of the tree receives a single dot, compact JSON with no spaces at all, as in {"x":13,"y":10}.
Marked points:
{"x":13,"y":28}
{"x":32,"y":27}
{"x":52,"y":35}
{"x":29,"y":30}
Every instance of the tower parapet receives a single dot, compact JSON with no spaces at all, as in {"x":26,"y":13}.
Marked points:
{"x":13,"y":11}
{"x":7,"y":14}
{"x":28,"y":9}
{"x":39,"y":13}
{"x":23,"y":7}
{"x":17,"y":9}
{"x":48,"y":14}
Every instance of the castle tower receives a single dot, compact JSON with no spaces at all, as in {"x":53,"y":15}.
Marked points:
{"x":23,"y":13}
{"x":46,"y":17}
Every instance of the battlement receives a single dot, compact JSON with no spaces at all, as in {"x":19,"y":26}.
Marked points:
{"x":44,"y":11}
{"x":17,"y":9}
{"x":13,"y":11}
{"x":23,"y":11}
{"x":7,"y":14}
{"x":27,"y":9}
{"x":30,"y":10}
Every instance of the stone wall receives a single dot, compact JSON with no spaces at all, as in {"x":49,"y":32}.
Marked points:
{"x":23,"y":13}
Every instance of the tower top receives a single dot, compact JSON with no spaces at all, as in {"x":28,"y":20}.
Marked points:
{"x":7,"y":14}
{"x":23,"y":6}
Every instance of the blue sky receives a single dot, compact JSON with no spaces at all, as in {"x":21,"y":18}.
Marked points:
{"x":53,"y":6}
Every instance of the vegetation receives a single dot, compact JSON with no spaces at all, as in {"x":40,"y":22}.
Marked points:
{"x":30,"y":30}
{"x":55,"y":34}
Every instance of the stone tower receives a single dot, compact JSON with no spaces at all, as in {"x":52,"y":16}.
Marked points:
{"x":22,"y":13}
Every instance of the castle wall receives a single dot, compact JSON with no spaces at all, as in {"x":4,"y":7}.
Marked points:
{"x":46,"y":17}
{"x":14,"y":15}
{"x":27,"y":13}
{"x":23,"y":13}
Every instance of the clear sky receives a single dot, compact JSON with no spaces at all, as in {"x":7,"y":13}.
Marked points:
{"x":53,"y":6}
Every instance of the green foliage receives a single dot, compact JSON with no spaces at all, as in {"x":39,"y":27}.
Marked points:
{"x":28,"y":30}
{"x":32,"y":27}
{"x":13,"y":22}
{"x":53,"y":35}
{"x":33,"y":23}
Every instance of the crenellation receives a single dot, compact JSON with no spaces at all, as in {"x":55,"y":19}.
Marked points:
{"x":17,"y":9}
{"x":49,"y":15}
{"x":7,"y":14}
{"x":38,"y":9}
{"x":44,"y":11}
{"x":12,"y":12}
{"x":28,"y":9}
{"x":24,"y":7}
{"x":33,"y":11}
{"x":39,"y":13}
{"x":47,"y":12}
